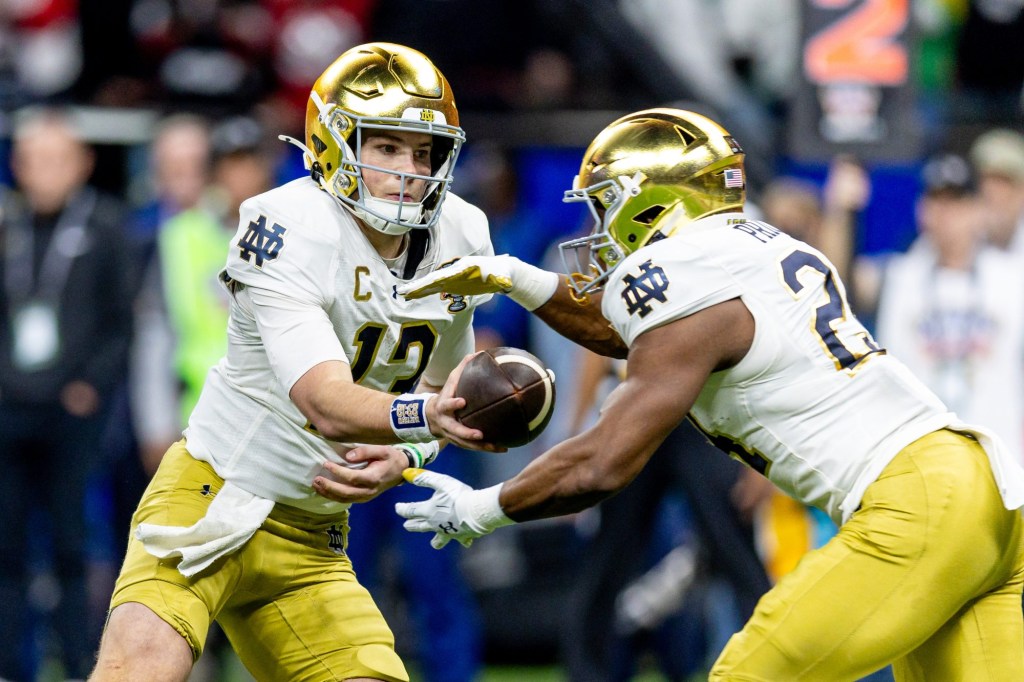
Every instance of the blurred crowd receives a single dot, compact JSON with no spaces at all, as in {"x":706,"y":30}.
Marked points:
{"x":113,"y":230}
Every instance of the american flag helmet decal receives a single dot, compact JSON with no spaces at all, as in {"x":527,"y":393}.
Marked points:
{"x":733,"y":177}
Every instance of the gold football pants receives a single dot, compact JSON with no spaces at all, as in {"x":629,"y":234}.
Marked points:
{"x":288,"y":600}
{"x":926,"y":575}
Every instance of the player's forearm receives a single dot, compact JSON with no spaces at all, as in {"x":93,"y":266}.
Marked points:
{"x":581,"y":322}
{"x":340,"y":410}
{"x":581,"y":471}
{"x":569,"y":478}
{"x":349,"y":413}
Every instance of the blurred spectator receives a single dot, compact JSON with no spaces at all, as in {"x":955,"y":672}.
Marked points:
{"x":191,"y":252}
{"x":40,"y":49}
{"x":179,"y":166}
{"x":998,"y":159}
{"x":946,"y":308}
{"x":795,"y":206}
{"x":66,"y":316}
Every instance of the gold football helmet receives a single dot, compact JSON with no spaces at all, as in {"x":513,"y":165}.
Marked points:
{"x":643,"y":177}
{"x":381,"y":86}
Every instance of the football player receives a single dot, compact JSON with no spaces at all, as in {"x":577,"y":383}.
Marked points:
{"x":323,"y":355}
{"x":728,"y":321}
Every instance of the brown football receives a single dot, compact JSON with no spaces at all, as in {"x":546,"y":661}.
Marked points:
{"x":509,"y":394}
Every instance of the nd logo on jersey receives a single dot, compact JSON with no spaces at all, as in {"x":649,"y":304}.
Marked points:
{"x":259,"y":244}
{"x":641,"y":289}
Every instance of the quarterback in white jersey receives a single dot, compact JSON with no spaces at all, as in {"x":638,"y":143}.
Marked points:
{"x":748,"y":332}
{"x":321,"y":375}
{"x":245,"y":425}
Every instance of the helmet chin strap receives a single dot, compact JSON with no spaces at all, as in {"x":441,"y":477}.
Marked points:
{"x":385,"y":207}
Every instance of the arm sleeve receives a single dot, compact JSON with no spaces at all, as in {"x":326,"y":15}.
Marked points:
{"x":297,"y":335}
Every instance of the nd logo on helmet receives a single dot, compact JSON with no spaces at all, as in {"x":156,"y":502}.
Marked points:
{"x":427,"y":115}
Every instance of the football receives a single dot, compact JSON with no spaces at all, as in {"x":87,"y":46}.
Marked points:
{"x":509,"y":395}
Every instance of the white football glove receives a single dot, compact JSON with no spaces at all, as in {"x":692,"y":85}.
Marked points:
{"x":454,"y":512}
{"x":525,"y":284}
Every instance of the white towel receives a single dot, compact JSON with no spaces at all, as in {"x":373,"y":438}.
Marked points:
{"x":232,"y":518}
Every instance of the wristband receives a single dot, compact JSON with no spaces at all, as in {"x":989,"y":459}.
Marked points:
{"x":409,"y":417}
{"x":532,"y":287}
{"x":485,"y":512}
{"x":420,"y":454}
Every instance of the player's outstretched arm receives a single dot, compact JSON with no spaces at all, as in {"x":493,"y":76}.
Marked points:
{"x":527,"y":285}
{"x":544,"y":293}
{"x":668,"y":367}
{"x":341,"y":410}
{"x":581,"y":322}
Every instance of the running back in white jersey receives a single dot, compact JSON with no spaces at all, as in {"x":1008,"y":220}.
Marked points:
{"x":816,"y":405}
{"x":298,"y":250}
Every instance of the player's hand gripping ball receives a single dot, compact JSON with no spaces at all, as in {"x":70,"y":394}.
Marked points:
{"x":509,"y":394}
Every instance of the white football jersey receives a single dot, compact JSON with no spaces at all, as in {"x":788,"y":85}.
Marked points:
{"x":309,"y":287}
{"x":816,"y":405}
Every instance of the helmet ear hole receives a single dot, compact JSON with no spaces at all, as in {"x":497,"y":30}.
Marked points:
{"x":649,"y":214}
{"x":440,"y":151}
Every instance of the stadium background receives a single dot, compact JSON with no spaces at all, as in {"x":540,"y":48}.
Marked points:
{"x":797,"y":81}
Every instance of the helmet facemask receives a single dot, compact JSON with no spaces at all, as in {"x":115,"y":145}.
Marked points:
{"x":347,"y":185}
{"x":590,"y":260}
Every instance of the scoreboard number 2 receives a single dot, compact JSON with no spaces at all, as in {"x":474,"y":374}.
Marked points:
{"x":862,"y":46}
{"x":856,"y":89}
